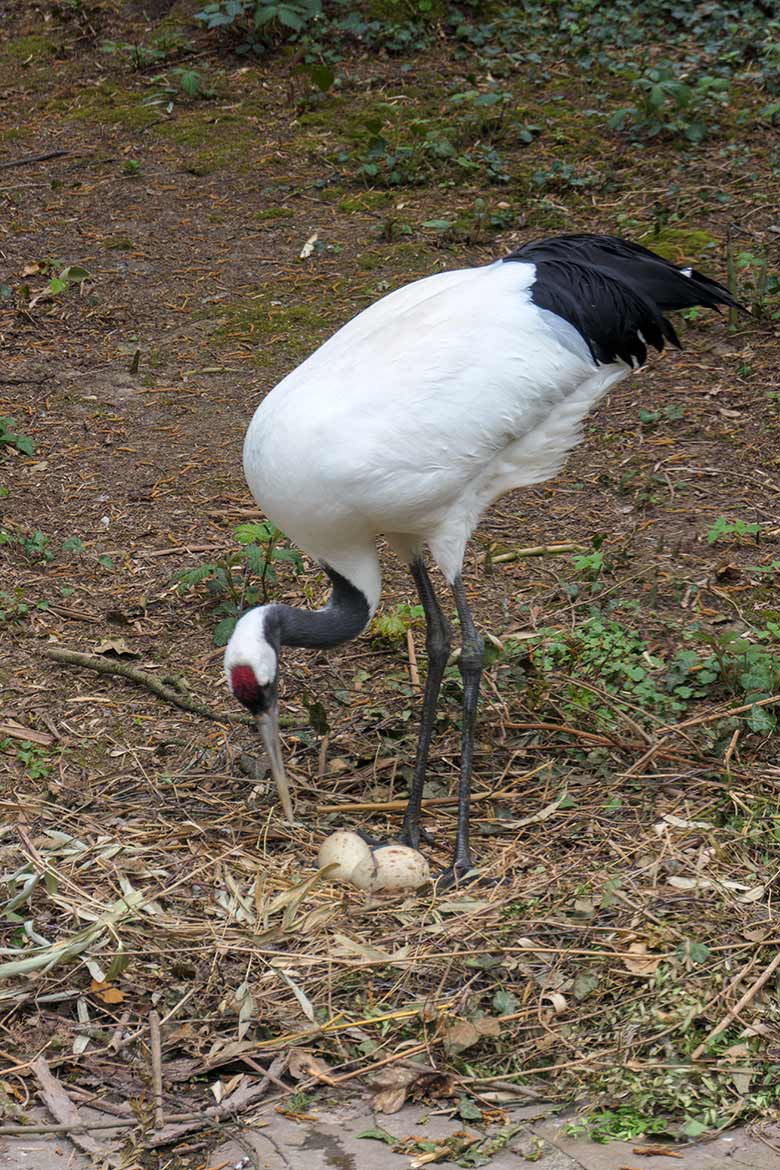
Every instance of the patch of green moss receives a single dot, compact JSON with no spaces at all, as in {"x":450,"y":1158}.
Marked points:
{"x":299,"y":328}
{"x":119,"y":243}
{"x":108,"y":104}
{"x":366,"y":201}
{"x":32,"y":47}
{"x":680,"y":245}
{"x":215,"y":143}
{"x":270,"y":213}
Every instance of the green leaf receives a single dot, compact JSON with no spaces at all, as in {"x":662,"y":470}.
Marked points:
{"x":760,"y":720}
{"x":378,"y":1135}
{"x":322,"y":76}
{"x":504,"y":1002}
{"x":223,"y":630}
{"x":584,"y":984}
{"x":74,"y":274}
{"x":468,"y":1110}
{"x":106,"y":561}
{"x":56,"y":285}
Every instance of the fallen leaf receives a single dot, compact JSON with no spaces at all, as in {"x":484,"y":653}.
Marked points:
{"x":639,"y":962}
{"x":116,"y":646}
{"x":303,"y":1063}
{"x":464,"y":1034}
{"x":308,"y":247}
{"x":393,"y":1085}
{"x":752,"y":895}
{"x":105,"y":992}
{"x":557,"y":1000}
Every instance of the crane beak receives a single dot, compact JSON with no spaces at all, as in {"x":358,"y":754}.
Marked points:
{"x":268,"y":726}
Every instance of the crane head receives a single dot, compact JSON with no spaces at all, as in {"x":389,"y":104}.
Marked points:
{"x":251,"y":669}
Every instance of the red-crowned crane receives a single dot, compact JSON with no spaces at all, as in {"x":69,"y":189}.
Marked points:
{"x":411,"y":420}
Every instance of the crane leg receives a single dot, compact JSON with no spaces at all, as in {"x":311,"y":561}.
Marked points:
{"x":438,"y":640}
{"x":470,"y":662}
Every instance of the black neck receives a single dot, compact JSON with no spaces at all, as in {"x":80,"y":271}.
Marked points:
{"x":342,"y":619}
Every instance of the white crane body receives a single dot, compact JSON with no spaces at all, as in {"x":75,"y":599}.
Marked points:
{"x":480,"y":391}
{"x":412,"y":419}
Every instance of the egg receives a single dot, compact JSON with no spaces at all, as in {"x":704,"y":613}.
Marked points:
{"x":345,"y":850}
{"x":391,"y":868}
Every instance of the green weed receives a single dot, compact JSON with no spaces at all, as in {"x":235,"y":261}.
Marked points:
{"x":738,"y":528}
{"x":392,"y":624}
{"x":668,"y":105}
{"x":228,"y":581}
{"x":10,"y":437}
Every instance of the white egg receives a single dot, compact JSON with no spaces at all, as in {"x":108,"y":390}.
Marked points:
{"x":345,"y":850}
{"x":391,"y":868}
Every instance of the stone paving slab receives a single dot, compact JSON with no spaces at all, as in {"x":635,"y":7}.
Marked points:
{"x":330,"y":1141}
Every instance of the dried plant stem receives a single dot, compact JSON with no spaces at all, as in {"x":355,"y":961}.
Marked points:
{"x":732,"y":1013}
{"x":536,"y":550}
{"x":156,"y":1049}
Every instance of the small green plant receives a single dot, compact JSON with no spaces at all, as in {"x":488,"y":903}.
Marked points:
{"x":562,"y":176}
{"x":754,"y":285}
{"x":622,"y":1124}
{"x":600,"y":655}
{"x":672,"y":412}
{"x":137,"y":56}
{"x":175,"y":83}
{"x":668,"y":105}
{"x":36,"y":760}
{"x":14,"y":607}
{"x":392,"y":624}
{"x":228,"y":581}
{"x":10,"y":437}
{"x":260,"y":22}
{"x":35,"y":546}
{"x":738,"y":528}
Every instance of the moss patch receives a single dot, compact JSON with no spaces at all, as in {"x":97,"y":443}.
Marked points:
{"x":30,"y":47}
{"x":106,"y":104}
{"x":297,"y":328}
{"x":680,"y":245}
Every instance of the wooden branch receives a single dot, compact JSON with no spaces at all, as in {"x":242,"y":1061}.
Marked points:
{"x":722,"y":714}
{"x":68,"y":1127}
{"x":732,"y":1013}
{"x":32,"y":158}
{"x":143,"y":678}
{"x":179,"y":698}
{"x":242,"y":1098}
{"x":60,"y":1106}
{"x":156,"y":1047}
{"x":537,"y":550}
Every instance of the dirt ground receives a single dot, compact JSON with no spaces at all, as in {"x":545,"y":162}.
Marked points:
{"x":630,"y":959}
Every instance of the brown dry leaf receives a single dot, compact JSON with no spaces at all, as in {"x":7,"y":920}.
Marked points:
{"x":557,"y":1000}
{"x":393,"y":1085}
{"x":460,"y":1036}
{"x":116,"y":646}
{"x":640,"y":962}
{"x":106,"y":992}
{"x":656,"y":1152}
{"x":303,"y":1063}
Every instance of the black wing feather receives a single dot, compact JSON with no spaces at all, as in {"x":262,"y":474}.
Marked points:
{"x":615,"y":292}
